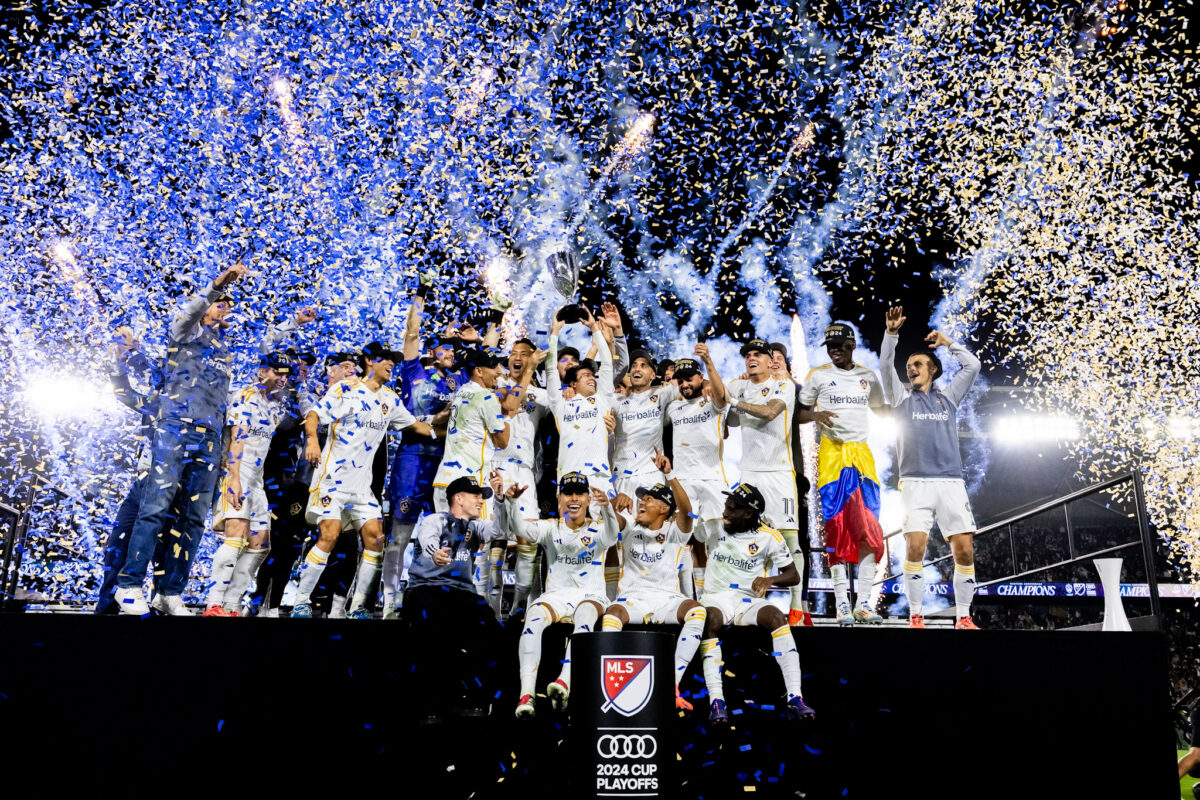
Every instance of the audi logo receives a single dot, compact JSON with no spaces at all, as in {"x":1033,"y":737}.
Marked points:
{"x":626,"y":745}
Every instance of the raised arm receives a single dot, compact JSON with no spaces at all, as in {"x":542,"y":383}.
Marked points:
{"x":604,"y":377}
{"x":412,"y":328}
{"x":961,"y":383}
{"x":715,"y":384}
{"x":553,"y":381}
{"x":189,"y":316}
{"x":683,"y":506}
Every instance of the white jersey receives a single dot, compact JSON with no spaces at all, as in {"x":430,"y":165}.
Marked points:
{"x":651,"y":558}
{"x":522,"y":427}
{"x":847,"y":393}
{"x":253,"y":417}
{"x":698,"y":439}
{"x":576,"y":557}
{"x":474,"y":414}
{"x":640,"y":419}
{"x":582,"y":436}
{"x":736,"y":559}
{"x":766,"y":444}
{"x":358,"y":420}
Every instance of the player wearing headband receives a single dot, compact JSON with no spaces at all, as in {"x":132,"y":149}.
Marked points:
{"x":837,"y":397}
{"x":358,"y":414}
{"x":931,"y":483}
{"x":742,"y":553}
{"x":574,"y":593}
{"x":652,"y":548}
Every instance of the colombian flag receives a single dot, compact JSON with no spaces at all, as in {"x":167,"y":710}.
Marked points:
{"x":849,"y":492}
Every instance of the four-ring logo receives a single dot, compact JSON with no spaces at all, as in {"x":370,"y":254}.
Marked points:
{"x":625,"y":745}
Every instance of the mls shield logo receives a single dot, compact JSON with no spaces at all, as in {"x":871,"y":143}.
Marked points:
{"x":627,"y":682}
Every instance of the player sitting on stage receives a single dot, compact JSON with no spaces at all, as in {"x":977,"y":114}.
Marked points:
{"x":574,"y":592}
{"x":358,"y":414}
{"x":649,"y":584}
{"x":740,"y":554}
{"x":242,"y":513}
{"x":931,"y":482}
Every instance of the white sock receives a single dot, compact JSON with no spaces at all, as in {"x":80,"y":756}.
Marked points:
{"x":698,"y":581}
{"x":710,"y":654}
{"x":310,"y":573}
{"x":784,"y":646}
{"x":364,"y":583}
{"x":496,"y":578}
{"x":611,"y":623}
{"x":914,"y":586}
{"x":529,"y":649}
{"x":841,"y":589}
{"x":964,"y":589}
{"x":689,"y":640}
{"x":792,"y":540}
{"x":866,"y":577}
{"x":586,"y":616}
{"x":526,"y":557}
{"x":685,"y":572}
{"x":612,"y":576}
{"x":479,"y":575}
{"x":393,"y":575}
{"x":245,"y":571}
{"x":224,"y":561}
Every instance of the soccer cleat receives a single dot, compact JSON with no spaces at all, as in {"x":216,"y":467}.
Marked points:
{"x":844,"y":617}
{"x":966,"y":624}
{"x":358,"y":613}
{"x":717,"y":715}
{"x":916,"y":621}
{"x":558,"y":692}
{"x":680,"y":703}
{"x":302,"y":610}
{"x":865,"y":616}
{"x":798,"y":618}
{"x":217,"y":611}
{"x":171,"y":605}
{"x":797,"y":709}
{"x":525,"y":707}
{"x":131,"y":602}
{"x":389,"y":611}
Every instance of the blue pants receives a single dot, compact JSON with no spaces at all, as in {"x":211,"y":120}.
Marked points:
{"x":117,"y":546}
{"x":411,"y":487}
{"x":185,"y":460}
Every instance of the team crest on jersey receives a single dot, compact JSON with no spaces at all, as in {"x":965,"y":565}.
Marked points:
{"x":703,"y":402}
{"x":404,"y":505}
{"x":592,"y":400}
{"x":586,"y":541}
{"x":384,"y":408}
{"x":325,"y":501}
{"x":296,"y":509}
{"x":753,"y":548}
{"x":863,"y":383}
{"x":627,"y":682}
{"x":451,"y":384}
{"x":766,"y":390}
{"x":662,"y":537}
{"x":653,"y":398}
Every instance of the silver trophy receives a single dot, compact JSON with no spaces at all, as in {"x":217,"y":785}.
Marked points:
{"x":564,"y":270}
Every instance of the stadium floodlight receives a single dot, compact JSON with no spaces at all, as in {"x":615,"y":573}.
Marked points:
{"x":1023,"y":428}
{"x":62,"y":397}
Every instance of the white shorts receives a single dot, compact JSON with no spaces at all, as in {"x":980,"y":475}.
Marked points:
{"x":779,"y":490}
{"x":254,"y":506}
{"x":522,"y":476}
{"x":352,"y":510}
{"x":737,"y":608}
{"x":652,"y":608}
{"x":708,"y":502}
{"x":941,"y":499}
{"x":563,"y":602}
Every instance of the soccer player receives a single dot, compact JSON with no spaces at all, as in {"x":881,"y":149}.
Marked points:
{"x":652,"y":549}
{"x":475,"y":421}
{"x":742,"y":551}
{"x":358,"y":414}
{"x":781,"y":368}
{"x":698,"y":438}
{"x":242,"y":512}
{"x":766,"y":408}
{"x":931,"y":482}
{"x":836,"y":396}
{"x":574,"y":592}
{"x":639,"y":429}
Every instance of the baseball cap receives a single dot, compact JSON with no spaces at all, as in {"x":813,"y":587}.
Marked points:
{"x":278,"y":362}
{"x":748,"y":498}
{"x":838,"y":333}
{"x":377,"y":351}
{"x":687,"y":367}
{"x":761,"y":345}
{"x":307,"y":356}
{"x":937,"y":362}
{"x":466,"y":484}
{"x":564,"y":352}
{"x":471,"y":357}
{"x":339,"y":357}
{"x":435,"y":342}
{"x":573,"y":483}
{"x":659,"y":491}
{"x":646,"y":354}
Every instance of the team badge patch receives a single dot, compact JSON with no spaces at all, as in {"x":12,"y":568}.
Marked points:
{"x":325,"y":501}
{"x":862,"y":382}
{"x":766,"y":390}
{"x":703,"y":402}
{"x":753,"y":548}
{"x":662,"y":537}
{"x":295,"y":509}
{"x":653,"y":398}
{"x":384,"y":408}
{"x":592,"y":400}
{"x":627,"y":682}
{"x":586,"y":541}
{"x":451,"y":384}
{"x":404,"y":505}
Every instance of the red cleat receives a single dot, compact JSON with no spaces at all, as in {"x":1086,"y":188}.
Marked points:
{"x":680,"y":703}
{"x":965,"y":624}
{"x":916,"y":621}
{"x":798,"y":618}
{"x":217,"y":611}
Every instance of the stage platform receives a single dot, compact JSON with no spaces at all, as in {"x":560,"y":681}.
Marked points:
{"x":203,"y":706}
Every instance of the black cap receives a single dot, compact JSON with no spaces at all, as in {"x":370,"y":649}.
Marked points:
{"x":659,"y":491}
{"x":779,"y":347}
{"x":748,"y":497}
{"x":838,"y":333}
{"x":574,"y":483}
{"x":278,"y":362}
{"x":646,"y":354}
{"x":338,"y":358}
{"x":572,"y":374}
{"x":224,"y":297}
{"x":435,"y":342}
{"x":307,"y":356}
{"x":377,"y":351}
{"x":937,"y":362}
{"x":563,"y":352}
{"x":687,"y":367}
{"x":760,"y":345}
{"x":471,"y":357}
{"x":466,"y":484}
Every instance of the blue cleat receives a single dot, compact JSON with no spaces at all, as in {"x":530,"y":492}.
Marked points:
{"x":717,"y":715}
{"x":302,"y":610}
{"x":797,"y":709}
{"x":358,"y":613}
